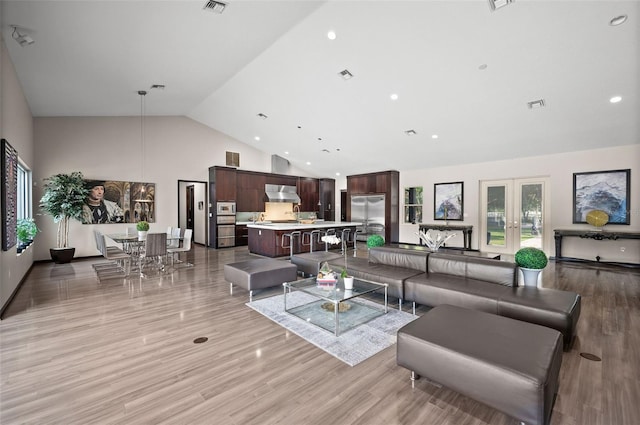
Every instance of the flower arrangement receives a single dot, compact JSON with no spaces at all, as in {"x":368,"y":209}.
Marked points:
{"x":531,"y":258}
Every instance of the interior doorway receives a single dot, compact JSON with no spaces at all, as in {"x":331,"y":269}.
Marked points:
{"x":192,"y":208}
{"x":513,"y":214}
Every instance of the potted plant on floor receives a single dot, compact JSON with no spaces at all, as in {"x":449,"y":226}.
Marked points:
{"x":531,"y":262}
{"x":143,"y":228}
{"x":63,"y":199}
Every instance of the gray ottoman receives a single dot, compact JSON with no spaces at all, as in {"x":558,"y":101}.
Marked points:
{"x":260,"y":273}
{"x":509,"y":365}
{"x":309,"y":262}
{"x":555,"y":309}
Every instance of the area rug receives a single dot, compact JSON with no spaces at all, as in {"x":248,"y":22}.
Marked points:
{"x":352,"y":346}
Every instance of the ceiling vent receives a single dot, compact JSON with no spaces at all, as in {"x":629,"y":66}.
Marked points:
{"x":346,"y":75}
{"x":498,"y":4}
{"x":410,"y":132}
{"x":215,"y":6}
{"x":233,"y":159}
{"x":536,"y":104}
{"x":262,"y":116}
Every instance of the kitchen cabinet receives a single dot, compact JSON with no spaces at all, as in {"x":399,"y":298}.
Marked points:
{"x":250,"y":188}
{"x":281,"y":180}
{"x":308,"y":191}
{"x":225,"y":184}
{"x":242,"y":235}
{"x":327,"y":199}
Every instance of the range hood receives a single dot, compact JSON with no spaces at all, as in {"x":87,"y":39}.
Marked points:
{"x":281,"y":193}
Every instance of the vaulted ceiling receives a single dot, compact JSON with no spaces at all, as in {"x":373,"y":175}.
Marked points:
{"x":460,"y":71}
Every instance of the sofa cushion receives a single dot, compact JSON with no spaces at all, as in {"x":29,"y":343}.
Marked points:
{"x":437,"y":288}
{"x":486,"y":269}
{"x":400,"y":257}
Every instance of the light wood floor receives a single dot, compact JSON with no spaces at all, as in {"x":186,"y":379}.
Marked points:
{"x":74,"y":351}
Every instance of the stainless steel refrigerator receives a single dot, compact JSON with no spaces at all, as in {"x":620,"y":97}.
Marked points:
{"x":369,"y":210}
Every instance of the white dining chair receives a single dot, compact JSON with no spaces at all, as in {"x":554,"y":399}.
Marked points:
{"x":155,"y":247}
{"x":174,"y":242}
{"x":186,"y":247}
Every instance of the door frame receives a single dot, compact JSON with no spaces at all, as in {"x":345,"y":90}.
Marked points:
{"x":512,"y":213}
{"x":200,"y":215}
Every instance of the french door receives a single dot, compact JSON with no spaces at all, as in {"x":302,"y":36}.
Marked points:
{"x":513,"y":215}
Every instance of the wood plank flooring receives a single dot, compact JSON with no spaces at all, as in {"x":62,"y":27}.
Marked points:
{"x":75,"y":351}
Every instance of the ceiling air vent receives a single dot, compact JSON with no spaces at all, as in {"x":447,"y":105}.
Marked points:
{"x":233,"y":159}
{"x":536,"y":104}
{"x":346,"y":75}
{"x":498,"y":4}
{"x":215,"y":6}
{"x":410,"y":132}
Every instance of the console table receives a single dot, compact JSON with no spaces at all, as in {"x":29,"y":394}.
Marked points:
{"x":590,"y":234}
{"x":466,"y":231}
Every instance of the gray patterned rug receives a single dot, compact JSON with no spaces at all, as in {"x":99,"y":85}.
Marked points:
{"x":353,"y":346}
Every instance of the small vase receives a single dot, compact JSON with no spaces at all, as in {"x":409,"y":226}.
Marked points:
{"x":530,"y":276}
{"x":142,"y":235}
{"x":348,"y":283}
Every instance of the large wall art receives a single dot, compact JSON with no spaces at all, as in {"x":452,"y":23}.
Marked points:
{"x":448,"y":201}
{"x":607,"y":191}
{"x":110,"y":201}
{"x":9,"y":195}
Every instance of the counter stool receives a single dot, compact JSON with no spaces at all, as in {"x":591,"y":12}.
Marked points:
{"x":328,"y":232}
{"x":290,"y":236}
{"x":348,"y":238}
{"x":311,"y":237}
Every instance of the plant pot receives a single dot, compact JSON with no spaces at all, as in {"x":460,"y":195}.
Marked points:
{"x":142,"y":235}
{"x":62,"y":255}
{"x":348,"y":283}
{"x":530,"y":276}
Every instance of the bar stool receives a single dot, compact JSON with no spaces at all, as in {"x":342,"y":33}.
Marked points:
{"x":312,"y":237}
{"x":290,"y":236}
{"x":347,"y":239}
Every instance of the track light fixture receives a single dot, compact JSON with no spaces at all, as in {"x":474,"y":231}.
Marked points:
{"x":22,"y":39}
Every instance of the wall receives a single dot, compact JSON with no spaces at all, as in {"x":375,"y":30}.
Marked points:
{"x":16,"y":126}
{"x":559,"y":168}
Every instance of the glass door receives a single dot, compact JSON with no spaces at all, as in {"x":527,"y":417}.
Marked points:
{"x":513,"y":213}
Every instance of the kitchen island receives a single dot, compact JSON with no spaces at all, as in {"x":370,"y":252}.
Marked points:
{"x":269,"y":239}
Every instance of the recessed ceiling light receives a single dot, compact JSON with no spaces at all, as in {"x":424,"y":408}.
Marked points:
{"x":262,"y":116}
{"x":308,"y":163}
{"x":618,"y":20}
{"x":410,"y":132}
{"x":331,"y":35}
{"x":345,"y":74}
{"x":434,"y":136}
{"x":257,"y":138}
{"x":615,"y":99}
{"x":337,"y":174}
{"x":286,"y":152}
{"x":394,"y":96}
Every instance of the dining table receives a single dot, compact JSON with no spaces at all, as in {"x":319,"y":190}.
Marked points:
{"x":132,"y":245}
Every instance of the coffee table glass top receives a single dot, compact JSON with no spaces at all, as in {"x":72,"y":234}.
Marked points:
{"x":334,"y":309}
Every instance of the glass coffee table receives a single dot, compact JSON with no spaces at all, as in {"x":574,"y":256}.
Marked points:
{"x":333,"y":308}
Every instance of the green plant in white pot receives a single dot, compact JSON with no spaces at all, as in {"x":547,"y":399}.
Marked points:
{"x":63,"y":199}
{"x":531,"y":262}
{"x":142,"y":227}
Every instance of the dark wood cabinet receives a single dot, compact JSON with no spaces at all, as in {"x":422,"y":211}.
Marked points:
{"x":225,"y":184}
{"x":250,"y":191}
{"x":242,"y":235}
{"x":308,"y":191}
{"x":281,"y":180}
{"x":327,"y":199}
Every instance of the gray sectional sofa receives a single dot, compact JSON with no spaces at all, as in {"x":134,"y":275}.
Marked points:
{"x":483,"y":284}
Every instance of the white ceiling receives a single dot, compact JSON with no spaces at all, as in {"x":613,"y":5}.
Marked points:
{"x":273,"y":57}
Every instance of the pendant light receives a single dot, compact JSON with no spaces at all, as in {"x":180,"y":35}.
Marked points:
{"x":142,"y":94}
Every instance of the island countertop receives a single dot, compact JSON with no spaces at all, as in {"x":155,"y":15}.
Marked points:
{"x":302,"y":226}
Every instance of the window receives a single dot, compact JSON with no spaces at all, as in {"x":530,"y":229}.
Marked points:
{"x":413,"y":205}
{"x":23,"y":206}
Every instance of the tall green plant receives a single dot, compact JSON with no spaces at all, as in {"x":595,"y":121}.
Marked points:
{"x":64,"y":196}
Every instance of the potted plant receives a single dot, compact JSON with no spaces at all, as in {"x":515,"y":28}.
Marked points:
{"x":531,"y":262}
{"x":143,"y":228}
{"x":375,"y":240}
{"x":26,"y":230}
{"x":63,"y":199}
{"x":348,"y":280}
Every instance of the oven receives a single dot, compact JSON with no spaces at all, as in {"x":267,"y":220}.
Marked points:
{"x":226,"y":230}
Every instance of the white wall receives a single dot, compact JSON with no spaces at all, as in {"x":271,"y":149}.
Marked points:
{"x":559,"y":168}
{"x":16,"y":126}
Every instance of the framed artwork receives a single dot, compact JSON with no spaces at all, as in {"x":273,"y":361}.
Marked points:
{"x":9,"y":195}
{"x":448,"y":201}
{"x":112,"y":201}
{"x":607,"y":191}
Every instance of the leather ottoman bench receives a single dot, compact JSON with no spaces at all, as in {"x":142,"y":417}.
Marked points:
{"x":260,"y":273}
{"x":309,"y":262}
{"x":555,"y":309}
{"x":509,"y":365}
